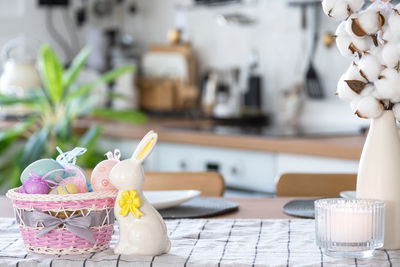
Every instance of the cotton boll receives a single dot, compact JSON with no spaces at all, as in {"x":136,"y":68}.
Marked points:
{"x":369,"y":107}
{"x":350,"y":84}
{"x":340,"y":11}
{"x":370,"y":67}
{"x":355,"y":5}
{"x":390,"y":35}
{"x":370,"y":22}
{"x":391,"y":54}
{"x":362,"y":44}
{"x":343,"y":90}
{"x":328,"y":5}
{"x":343,"y":41}
{"x":394,"y":21}
{"x":388,"y":86}
{"x":369,"y":90}
{"x":396,"y":111}
{"x":383,"y":6}
{"x":377,"y":52}
{"x":348,"y":45}
{"x":353,"y":73}
{"x":396,"y":8}
{"x":387,"y":35}
{"x":367,"y":22}
{"x":354,"y":104}
{"x":394,"y":26}
{"x":395,"y":99}
{"x":337,"y":9}
{"x":379,"y":36}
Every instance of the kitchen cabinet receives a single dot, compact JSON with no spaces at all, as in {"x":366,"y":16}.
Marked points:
{"x":241,"y":168}
{"x":244,"y":169}
{"x":309,"y":164}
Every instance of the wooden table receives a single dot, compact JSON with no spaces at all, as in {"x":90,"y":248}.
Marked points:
{"x":249,"y":208}
{"x":259,"y":208}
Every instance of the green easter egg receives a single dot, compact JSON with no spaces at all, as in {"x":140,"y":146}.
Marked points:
{"x":42,"y":167}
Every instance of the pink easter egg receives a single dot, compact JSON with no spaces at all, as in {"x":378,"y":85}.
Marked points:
{"x":100,"y":178}
{"x":79,"y":181}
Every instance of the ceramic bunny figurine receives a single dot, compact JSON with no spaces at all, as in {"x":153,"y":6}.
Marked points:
{"x":142,"y":229}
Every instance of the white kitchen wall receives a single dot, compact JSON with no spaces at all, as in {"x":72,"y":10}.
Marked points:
{"x":23,"y":17}
{"x":277,"y":37}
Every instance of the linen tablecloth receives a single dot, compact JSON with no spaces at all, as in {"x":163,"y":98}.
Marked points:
{"x":201,"y":242}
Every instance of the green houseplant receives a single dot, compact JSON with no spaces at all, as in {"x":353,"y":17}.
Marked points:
{"x":56,"y":107}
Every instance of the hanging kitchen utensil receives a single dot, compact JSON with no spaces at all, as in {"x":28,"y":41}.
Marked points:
{"x":312,"y":81}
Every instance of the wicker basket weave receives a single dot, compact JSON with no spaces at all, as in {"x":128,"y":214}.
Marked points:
{"x":60,"y":241}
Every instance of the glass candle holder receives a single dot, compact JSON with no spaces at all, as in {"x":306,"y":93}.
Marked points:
{"x":349,"y":228}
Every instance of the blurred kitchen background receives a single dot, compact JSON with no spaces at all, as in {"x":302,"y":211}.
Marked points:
{"x":212,"y":67}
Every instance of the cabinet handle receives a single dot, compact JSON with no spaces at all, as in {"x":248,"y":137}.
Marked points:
{"x":212,"y":166}
{"x":234,"y":170}
{"x":183,"y":165}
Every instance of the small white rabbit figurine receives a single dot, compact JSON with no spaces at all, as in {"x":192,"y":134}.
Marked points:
{"x":142,"y":230}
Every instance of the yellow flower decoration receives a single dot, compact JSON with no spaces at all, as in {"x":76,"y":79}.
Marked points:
{"x":130,"y":202}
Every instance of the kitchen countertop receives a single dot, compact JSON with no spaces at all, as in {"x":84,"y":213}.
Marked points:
{"x":203,"y":132}
{"x":194,"y":132}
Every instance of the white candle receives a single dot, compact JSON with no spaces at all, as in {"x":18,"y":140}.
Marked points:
{"x":349,"y":225}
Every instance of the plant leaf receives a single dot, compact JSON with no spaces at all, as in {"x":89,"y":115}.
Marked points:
{"x":130,"y":116}
{"x":35,"y":147}
{"x":63,"y":129}
{"x":88,"y":104}
{"x":6,"y":100}
{"x":89,"y":140}
{"x":51,"y":72}
{"x":90,"y":137}
{"x":15,"y":176}
{"x":6,"y":170}
{"x":77,"y":64}
{"x":105,"y":78}
{"x":7,"y":137}
{"x":118,"y":96}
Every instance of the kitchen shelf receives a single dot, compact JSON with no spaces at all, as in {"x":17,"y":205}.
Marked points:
{"x":304,"y":2}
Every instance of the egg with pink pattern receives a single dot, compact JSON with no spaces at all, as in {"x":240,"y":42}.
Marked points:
{"x":100,"y":179}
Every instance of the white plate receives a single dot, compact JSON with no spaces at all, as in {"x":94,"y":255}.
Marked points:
{"x":169,"y":198}
{"x":348,"y":194}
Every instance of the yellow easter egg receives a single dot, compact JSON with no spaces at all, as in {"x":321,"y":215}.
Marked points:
{"x":65,"y":189}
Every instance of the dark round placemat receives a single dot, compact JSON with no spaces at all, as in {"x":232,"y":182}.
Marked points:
{"x":199,"y":207}
{"x":303,"y":208}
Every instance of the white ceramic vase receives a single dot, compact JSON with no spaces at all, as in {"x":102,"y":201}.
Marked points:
{"x":379,"y":173}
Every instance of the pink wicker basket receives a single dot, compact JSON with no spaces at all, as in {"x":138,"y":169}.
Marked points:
{"x":63,"y":213}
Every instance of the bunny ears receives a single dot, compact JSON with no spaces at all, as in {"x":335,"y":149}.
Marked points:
{"x":145,"y":147}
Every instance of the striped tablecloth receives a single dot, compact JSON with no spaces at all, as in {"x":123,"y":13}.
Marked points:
{"x":206,"y":243}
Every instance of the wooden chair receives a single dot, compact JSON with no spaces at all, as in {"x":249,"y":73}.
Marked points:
{"x":315,"y":184}
{"x":208,"y":183}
